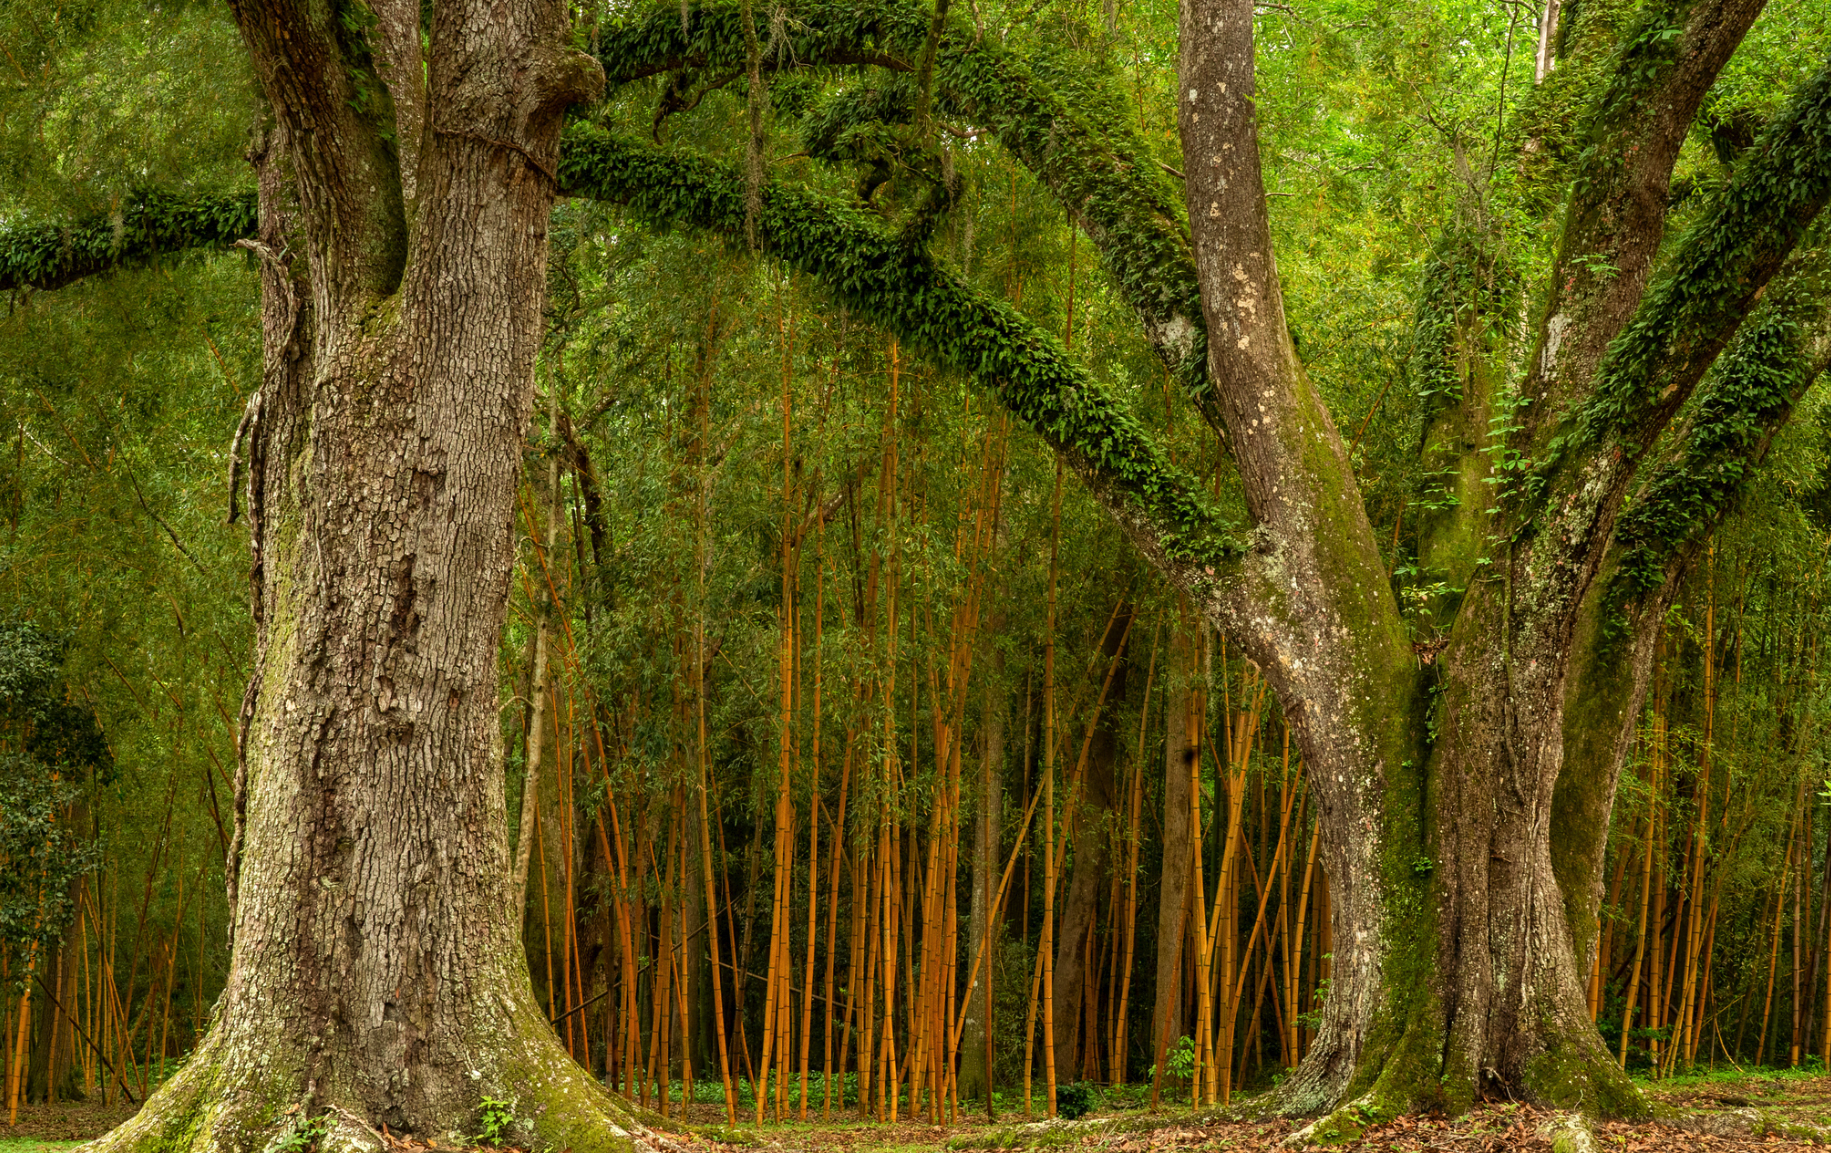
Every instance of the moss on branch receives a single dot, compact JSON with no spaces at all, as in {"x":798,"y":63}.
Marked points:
{"x":1047,"y":116}
{"x":1748,"y":396}
{"x":1720,"y":264}
{"x":47,"y":256}
{"x":902,"y":288}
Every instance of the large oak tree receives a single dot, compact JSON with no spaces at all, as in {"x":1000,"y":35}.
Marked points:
{"x":1464,"y":777}
{"x":377,"y":980}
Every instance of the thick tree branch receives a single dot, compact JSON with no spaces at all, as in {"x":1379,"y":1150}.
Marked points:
{"x":1468,"y":304}
{"x":318,"y":72}
{"x":1615,"y":218}
{"x":1566,"y":506}
{"x":903,"y":289}
{"x":1299,"y":485}
{"x":1746,"y":400}
{"x":1719,"y":270}
{"x":1098,"y":168}
{"x":48,"y":256}
{"x":400,"y":64}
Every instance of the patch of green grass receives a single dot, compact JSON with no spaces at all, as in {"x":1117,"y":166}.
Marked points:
{"x":34,"y":1145}
{"x":1700,"y":1075}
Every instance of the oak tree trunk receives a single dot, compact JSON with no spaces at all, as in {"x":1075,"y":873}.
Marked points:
{"x":376,"y":976}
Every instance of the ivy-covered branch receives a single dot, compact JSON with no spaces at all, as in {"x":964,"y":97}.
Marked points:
{"x":1747,"y":398}
{"x":1615,"y":217}
{"x":47,"y":256}
{"x":1049,"y":117}
{"x":900,"y":287}
{"x":1721,"y":263}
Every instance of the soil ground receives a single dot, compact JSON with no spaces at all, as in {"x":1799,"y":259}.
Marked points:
{"x":1723,"y":1108}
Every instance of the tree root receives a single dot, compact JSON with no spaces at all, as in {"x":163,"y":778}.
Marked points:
{"x":1743,"y":1123}
{"x":1341,"y":1125}
{"x":261,"y":1103}
{"x":1570,"y":1133}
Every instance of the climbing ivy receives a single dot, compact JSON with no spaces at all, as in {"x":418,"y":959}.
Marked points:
{"x":1466,"y":278}
{"x":1749,"y":394}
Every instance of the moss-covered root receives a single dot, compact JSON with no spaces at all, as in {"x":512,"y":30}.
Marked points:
{"x":201,"y":1108}
{"x":558,"y":1106}
{"x":540,"y":1100}
{"x":1570,"y":1133}
{"x":585,"y":1119}
{"x":1344,"y":1125}
{"x":1580,"y":1076}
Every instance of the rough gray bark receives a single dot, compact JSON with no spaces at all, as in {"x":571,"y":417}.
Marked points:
{"x":376,"y":975}
{"x":1335,"y":649}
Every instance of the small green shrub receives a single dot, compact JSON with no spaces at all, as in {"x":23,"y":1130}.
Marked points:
{"x":1179,"y":1062}
{"x":301,"y":1138}
{"x":498,"y":1116}
{"x":1076,"y":1100}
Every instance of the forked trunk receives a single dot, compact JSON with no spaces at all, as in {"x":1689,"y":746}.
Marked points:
{"x":1432,"y":769}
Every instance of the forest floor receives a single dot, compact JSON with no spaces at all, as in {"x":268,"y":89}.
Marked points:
{"x":1723,"y":1109}
{"x":1724,"y":1112}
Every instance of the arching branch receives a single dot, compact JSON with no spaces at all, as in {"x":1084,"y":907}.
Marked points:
{"x":1095,"y":165}
{"x":49,"y":256}
{"x":904,"y":290}
{"x":1615,"y":217}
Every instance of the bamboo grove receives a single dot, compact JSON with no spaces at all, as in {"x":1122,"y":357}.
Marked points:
{"x":856,"y":765}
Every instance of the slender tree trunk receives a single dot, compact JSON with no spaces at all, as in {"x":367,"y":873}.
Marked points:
{"x":1134,"y":804}
{"x":975,"y":1053}
{"x":1173,"y":887}
{"x":1090,"y":826}
{"x":538,"y":720}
